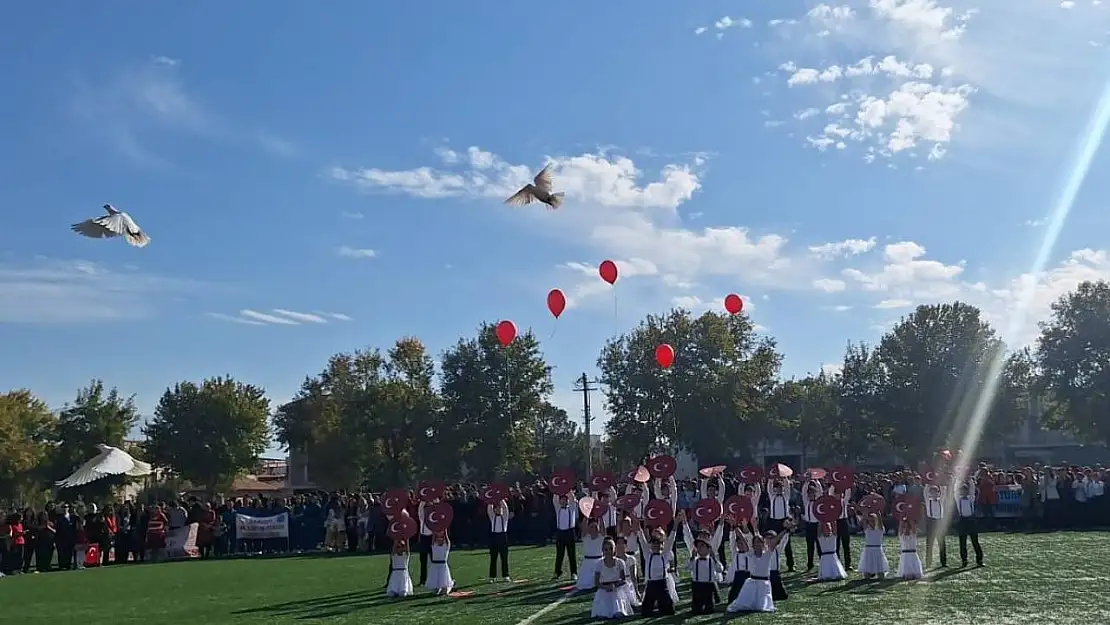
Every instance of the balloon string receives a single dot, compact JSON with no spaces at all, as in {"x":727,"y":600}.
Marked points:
{"x":554,"y":327}
{"x":616,"y":320}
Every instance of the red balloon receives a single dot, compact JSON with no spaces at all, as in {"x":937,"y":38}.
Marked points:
{"x":733,"y":304}
{"x":608,"y":271}
{"x":556,"y":302}
{"x":506,"y":332}
{"x":664,"y":355}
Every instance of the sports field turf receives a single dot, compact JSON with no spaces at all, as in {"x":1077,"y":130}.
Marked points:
{"x":1047,"y":579}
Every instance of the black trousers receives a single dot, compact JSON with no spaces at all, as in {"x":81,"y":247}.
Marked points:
{"x":29,"y":551}
{"x":811,"y":543}
{"x":498,"y":548}
{"x":425,"y":553}
{"x":777,"y":525}
{"x":738,"y":579}
{"x":66,"y":554}
{"x":844,"y":542}
{"x":968,"y":527}
{"x":778,"y":591}
{"x":657,"y":601}
{"x":701,"y":597}
{"x":933,"y":528}
{"x":565,"y":548}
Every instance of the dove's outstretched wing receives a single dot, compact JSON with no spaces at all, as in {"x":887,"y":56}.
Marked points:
{"x":522,"y":197}
{"x":92,"y":229}
{"x":110,"y":461}
{"x":545,"y":179}
{"x":140,"y":469}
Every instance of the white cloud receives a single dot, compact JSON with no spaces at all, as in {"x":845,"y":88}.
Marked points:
{"x":832,"y":369}
{"x":939,"y":73}
{"x":352,"y":215}
{"x":300,"y":316}
{"x":278,"y":316}
{"x":593,"y":178}
{"x":76,"y":291}
{"x":352,"y":252}
{"x":143,"y":105}
{"x":727,"y":22}
{"x":893,"y":303}
{"x":848,"y":247}
{"x":829,"y":285}
{"x":700,"y":29}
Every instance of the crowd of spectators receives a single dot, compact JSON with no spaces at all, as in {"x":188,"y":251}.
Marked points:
{"x":1037,"y":498}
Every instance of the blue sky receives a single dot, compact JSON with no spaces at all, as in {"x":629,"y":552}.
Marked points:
{"x":834,"y":164}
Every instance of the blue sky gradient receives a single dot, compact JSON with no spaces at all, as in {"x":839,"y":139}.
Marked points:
{"x":834,"y":164}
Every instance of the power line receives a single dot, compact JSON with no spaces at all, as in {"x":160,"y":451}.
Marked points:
{"x":584,"y":385}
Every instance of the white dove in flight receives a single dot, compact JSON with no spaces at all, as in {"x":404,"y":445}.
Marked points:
{"x":110,"y":461}
{"x":115,"y":223}
{"x":540,"y":189}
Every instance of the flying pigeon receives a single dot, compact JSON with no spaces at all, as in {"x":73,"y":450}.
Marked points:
{"x":540,"y":189}
{"x":110,"y":461}
{"x":115,"y":223}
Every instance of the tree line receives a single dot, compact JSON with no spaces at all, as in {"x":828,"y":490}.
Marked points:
{"x":377,"y":418}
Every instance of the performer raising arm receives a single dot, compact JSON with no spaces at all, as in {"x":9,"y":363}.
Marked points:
{"x":660,"y":592}
{"x":934,"y":523}
{"x":498,"y":514}
{"x":755,"y":595}
{"x":829,"y":568}
{"x":811,"y":490}
{"x":566,"y":519}
{"x":592,"y":552}
{"x":779,"y":497}
{"x":738,"y":570}
{"x":843,"y":531}
{"x":439,"y":577}
{"x":399,"y":583}
{"x":704,"y":571}
{"x":909,"y":564}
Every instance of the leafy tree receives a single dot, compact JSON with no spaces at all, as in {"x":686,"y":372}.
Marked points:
{"x":211,"y":432}
{"x":558,"y":443}
{"x":493,"y":396}
{"x":807,"y":410}
{"x":27,"y":434}
{"x":1073,"y":355}
{"x":406,"y":405}
{"x":859,"y":424}
{"x":96,"y":416}
{"x":936,"y":365}
{"x":713,"y":400}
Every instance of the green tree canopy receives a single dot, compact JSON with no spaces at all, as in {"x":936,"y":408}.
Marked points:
{"x":27,"y":433}
{"x":209,"y":433}
{"x":492,"y":397}
{"x":1073,"y":355}
{"x":97,"y":415}
{"x":721,"y":382}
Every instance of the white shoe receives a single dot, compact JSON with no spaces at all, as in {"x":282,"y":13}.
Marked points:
{"x":574,"y":578}
{"x":508,"y":579}
{"x":491,"y":580}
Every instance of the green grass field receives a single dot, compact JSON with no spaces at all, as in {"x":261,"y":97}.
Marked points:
{"x":1047,"y":579}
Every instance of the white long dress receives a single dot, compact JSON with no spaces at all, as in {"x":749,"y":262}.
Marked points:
{"x":611,"y":603}
{"x":632,"y":566}
{"x":755,"y":594}
{"x":872,"y":560}
{"x":591,"y":557}
{"x":909,"y":563}
{"x":439,"y":573}
{"x":829,"y":568}
{"x":400,"y":582}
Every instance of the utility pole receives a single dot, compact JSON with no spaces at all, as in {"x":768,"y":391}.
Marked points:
{"x":583,"y":385}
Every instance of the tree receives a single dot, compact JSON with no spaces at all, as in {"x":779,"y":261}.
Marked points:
{"x":211,"y":432}
{"x":1073,"y":355}
{"x":27,"y":433}
{"x":713,"y":401}
{"x":806,"y":409}
{"x":859,"y":424}
{"x":95,"y":416}
{"x":407,"y":406}
{"x":492,"y":398}
{"x":936,"y":365}
{"x":558,"y":443}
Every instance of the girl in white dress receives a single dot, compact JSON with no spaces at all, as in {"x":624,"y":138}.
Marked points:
{"x":632,"y":567}
{"x":755,"y":595}
{"x":829,"y":568}
{"x":909,"y":563}
{"x":872,"y":560}
{"x":592,"y":540}
{"x":334,"y":528}
{"x":439,"y":575}
{"x":610,"y":578}
{"x":400,"y":582}
{"x":738,"y":542}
